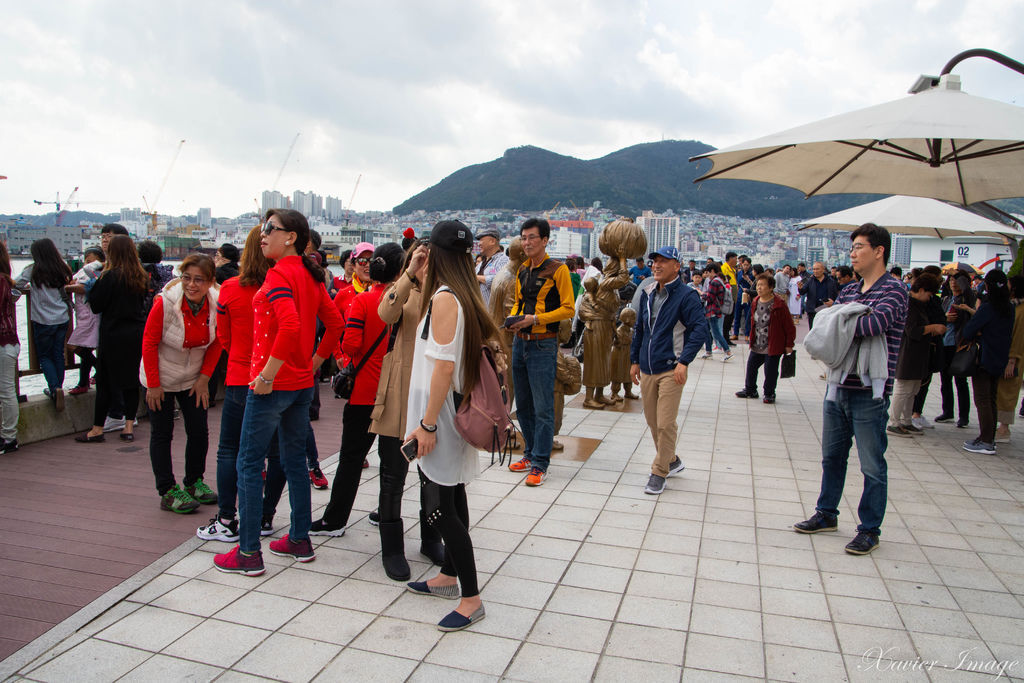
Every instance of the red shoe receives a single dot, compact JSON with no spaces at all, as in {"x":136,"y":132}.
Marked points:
{"x":520,"y":466}
{"x":92,"y":381}
{"x":264,"y":475}
{"x":317,"y":478}
{"x":234,"y":562}
{"x":301,"y":551}
{"x":366,"y":463}
{"x":75,"y":391}
{"x":536,"y":477}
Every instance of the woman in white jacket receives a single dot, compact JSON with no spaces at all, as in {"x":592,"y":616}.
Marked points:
{"x":179,"y":352}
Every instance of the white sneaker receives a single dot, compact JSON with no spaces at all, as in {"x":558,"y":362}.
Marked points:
{"x":113,"y":425}
{"x":922,"y":423}
{"x":216,"y":530}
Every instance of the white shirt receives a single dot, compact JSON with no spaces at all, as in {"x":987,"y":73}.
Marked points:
{"x":453,"y":461}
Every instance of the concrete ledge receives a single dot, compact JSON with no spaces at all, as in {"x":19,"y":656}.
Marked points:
{"x":38,"y":420}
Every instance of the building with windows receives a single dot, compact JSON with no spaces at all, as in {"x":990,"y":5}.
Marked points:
{"x":662,"y":230}
{"x":204,"y":218}
{"x":585,"y":245}
{"x":564,"y":242}
{"x":272,"y":199}
{"x":811,"y":248}
{"x":333,"y":209}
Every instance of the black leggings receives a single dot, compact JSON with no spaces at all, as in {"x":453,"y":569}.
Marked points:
{"x":356,"y":440}
{"x":86,"y":365}
{"x":448,"y":512}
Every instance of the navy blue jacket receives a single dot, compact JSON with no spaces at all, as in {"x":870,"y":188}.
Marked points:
{"x":652,"y":348}
{"x":995,"y":331}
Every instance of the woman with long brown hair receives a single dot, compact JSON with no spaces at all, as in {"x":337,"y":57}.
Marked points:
{"x":10,"y":347}
{"x":118,"y":295}
{"x":454,"y":324}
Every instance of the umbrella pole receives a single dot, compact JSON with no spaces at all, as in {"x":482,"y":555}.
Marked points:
{"x":982,"y":52}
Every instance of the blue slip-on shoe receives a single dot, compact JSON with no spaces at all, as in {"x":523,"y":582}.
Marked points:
{"x":456,"y":622}
{"x":421,"y":588}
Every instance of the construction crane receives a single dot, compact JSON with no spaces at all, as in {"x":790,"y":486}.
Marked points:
{"x":284,"y":163}
{"x":61,"y":207}
{"x":547,"y":214}
{"x":351,"y":199}
{"x":151,"y":210}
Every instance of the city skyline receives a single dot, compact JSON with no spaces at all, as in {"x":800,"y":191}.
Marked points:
{"x":99,"y":98}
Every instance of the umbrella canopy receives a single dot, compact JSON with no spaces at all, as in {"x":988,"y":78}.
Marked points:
{"x":940,"y":143}
{"x":955,"y":266}
{"x":914,"y":216}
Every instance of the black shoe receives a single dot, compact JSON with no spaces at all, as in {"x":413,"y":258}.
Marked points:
{"x":862,"y":544}
{"x":768,"y":399}
{"x":9,"y":446}
{"x":393,"y":551}
{"x":818,"y":522}
{"x":318,"y":528}
{"x":743,"y":393}
{"x":267,"y":526}
{"x":963,"y":424}
{"x":375,"y":518}
{"x":943,"y":418}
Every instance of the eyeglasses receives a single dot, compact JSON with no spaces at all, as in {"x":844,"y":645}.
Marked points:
{"x":361,"y":261}
{"x":857,"y":246}
{"x":529,"y":238}
{"x":270,"y":227}
{"x":197,"y":281}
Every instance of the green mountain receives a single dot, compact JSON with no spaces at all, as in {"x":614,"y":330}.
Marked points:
{"x":655,"y":175}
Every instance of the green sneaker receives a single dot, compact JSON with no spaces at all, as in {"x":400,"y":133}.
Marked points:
{"x":202,"y":493}
{"x":177,"y":500}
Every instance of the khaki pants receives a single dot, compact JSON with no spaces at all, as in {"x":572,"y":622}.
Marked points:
{"x":902,"y":405}
{"x":660,"y":395}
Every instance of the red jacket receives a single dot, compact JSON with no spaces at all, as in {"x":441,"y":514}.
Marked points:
{"x":362,"y":327}
{"x":781,"y":330}
{"x":234,"y":329}
{"x":285,"y":310}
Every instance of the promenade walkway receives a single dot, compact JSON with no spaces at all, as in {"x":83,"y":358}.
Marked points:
{"x":588,"y":578}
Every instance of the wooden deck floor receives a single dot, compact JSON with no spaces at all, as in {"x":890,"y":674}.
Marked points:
{"x":78,"y":519}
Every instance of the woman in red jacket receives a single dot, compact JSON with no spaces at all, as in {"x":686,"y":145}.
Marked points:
{"x":179,"y":352}
{"x":771,"y":333}
{"x":366,"y":337}
{"x":281,"y":384}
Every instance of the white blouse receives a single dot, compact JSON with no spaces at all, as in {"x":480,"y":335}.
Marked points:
{"x":453,"y":461}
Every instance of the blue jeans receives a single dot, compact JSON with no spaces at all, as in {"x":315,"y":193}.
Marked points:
{"x":287,"y":413}
{"x":49,"y":340}
{"x":232,"y":412}
{"x":741,"y":321}
{"x":715,"y":326}
{"x":533,"y":373}
{"x":855,"y":414}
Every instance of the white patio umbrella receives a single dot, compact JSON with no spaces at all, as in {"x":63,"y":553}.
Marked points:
{"x":913,"y":216}
{"x":940,"y":143}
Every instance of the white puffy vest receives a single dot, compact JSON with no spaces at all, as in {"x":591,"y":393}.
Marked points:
{"x":179,"y":367}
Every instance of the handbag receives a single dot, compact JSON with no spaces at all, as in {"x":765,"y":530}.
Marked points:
{"x":965,"y":360}
{"x":787,"y":368}
{"x":345,"y":380}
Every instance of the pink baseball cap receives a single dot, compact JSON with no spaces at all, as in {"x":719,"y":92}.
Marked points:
{"x":361,"y":248}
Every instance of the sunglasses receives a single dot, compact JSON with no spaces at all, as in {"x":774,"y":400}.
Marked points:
{"x":270,"y":227}
{"x":361,"y":261}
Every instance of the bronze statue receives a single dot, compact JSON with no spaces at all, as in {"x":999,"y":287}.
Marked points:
{"x":503,"y":294}
{"x":567,"y":379}
{"x":620,"y":354}
{"x":597,"y":311}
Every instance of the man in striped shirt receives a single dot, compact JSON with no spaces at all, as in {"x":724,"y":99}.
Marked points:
{"x":855,"y":413}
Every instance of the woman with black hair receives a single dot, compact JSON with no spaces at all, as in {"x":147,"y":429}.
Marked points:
{"x":10,"y":347}
{"x":285,"y":310}
{"x":993,"y":325}
{"x":958,"y":291}
{"x":366,"y":341}
{"x":49,"y":311}
{"x":85,"y":337}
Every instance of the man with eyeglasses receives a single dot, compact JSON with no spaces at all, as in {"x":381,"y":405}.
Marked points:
{"x":855,"y":412}
{"x":543,"y":297}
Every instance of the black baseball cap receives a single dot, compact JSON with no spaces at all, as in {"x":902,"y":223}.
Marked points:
{"x":452,"y":236}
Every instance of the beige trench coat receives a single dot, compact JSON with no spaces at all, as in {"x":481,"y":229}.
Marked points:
{"x":401,"y":300}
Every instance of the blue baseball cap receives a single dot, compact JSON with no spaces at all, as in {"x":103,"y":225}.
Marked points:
{"x":666,"y":252}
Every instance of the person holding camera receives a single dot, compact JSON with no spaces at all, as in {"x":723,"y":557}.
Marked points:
{"x":365,"y":342}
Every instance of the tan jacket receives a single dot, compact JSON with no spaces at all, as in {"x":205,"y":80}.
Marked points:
{"x":401,"y":300}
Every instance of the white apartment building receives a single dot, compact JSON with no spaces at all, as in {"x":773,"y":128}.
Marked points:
{"x":204,"y":217}
{"x":662,"y":230}
{"x":564,"y":242}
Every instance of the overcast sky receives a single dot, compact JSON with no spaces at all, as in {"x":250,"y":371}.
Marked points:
{"x":98,"y":94}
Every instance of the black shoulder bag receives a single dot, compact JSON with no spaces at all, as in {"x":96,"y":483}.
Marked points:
{"x":345,"y":380}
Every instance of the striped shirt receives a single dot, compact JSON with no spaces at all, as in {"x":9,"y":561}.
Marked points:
{"x":888,"y":301}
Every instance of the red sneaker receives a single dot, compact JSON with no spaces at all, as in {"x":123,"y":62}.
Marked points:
{"x":366,"y":463}
{"x":317,"y":478}
{"x":234,"y":562}
{"x":520,"y":466}
{"x":536,"y":477}
{"x":301,"y":551}
{"x":75,"y":391}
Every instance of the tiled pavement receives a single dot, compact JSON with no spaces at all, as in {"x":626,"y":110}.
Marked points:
{"x":587,"y":577}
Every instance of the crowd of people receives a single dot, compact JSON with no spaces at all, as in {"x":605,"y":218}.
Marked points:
{"x":405,"y":323}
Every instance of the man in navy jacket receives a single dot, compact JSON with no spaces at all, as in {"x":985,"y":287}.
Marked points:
{"x":670,"y":330}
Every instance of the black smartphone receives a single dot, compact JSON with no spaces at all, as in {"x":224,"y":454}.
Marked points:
{"x":410,"y":448}
{"x":512,"y":320}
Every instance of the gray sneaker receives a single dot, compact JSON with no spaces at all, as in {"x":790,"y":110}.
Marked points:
{"x":675,"y":467}
{"x":655,"y":485}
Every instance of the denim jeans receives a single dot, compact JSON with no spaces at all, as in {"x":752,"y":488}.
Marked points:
{"x":741,"y":322}
{"x":855,"y":414}
{"x":232,"y":412}
{"x":49,"y":340}
{"x":286,"y":412}
{"x":715,"y":327}
{"x":533,"y":374}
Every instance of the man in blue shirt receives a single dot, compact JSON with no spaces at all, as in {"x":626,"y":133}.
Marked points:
{"x":640,"y":271}
{"x":670,"y":329}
